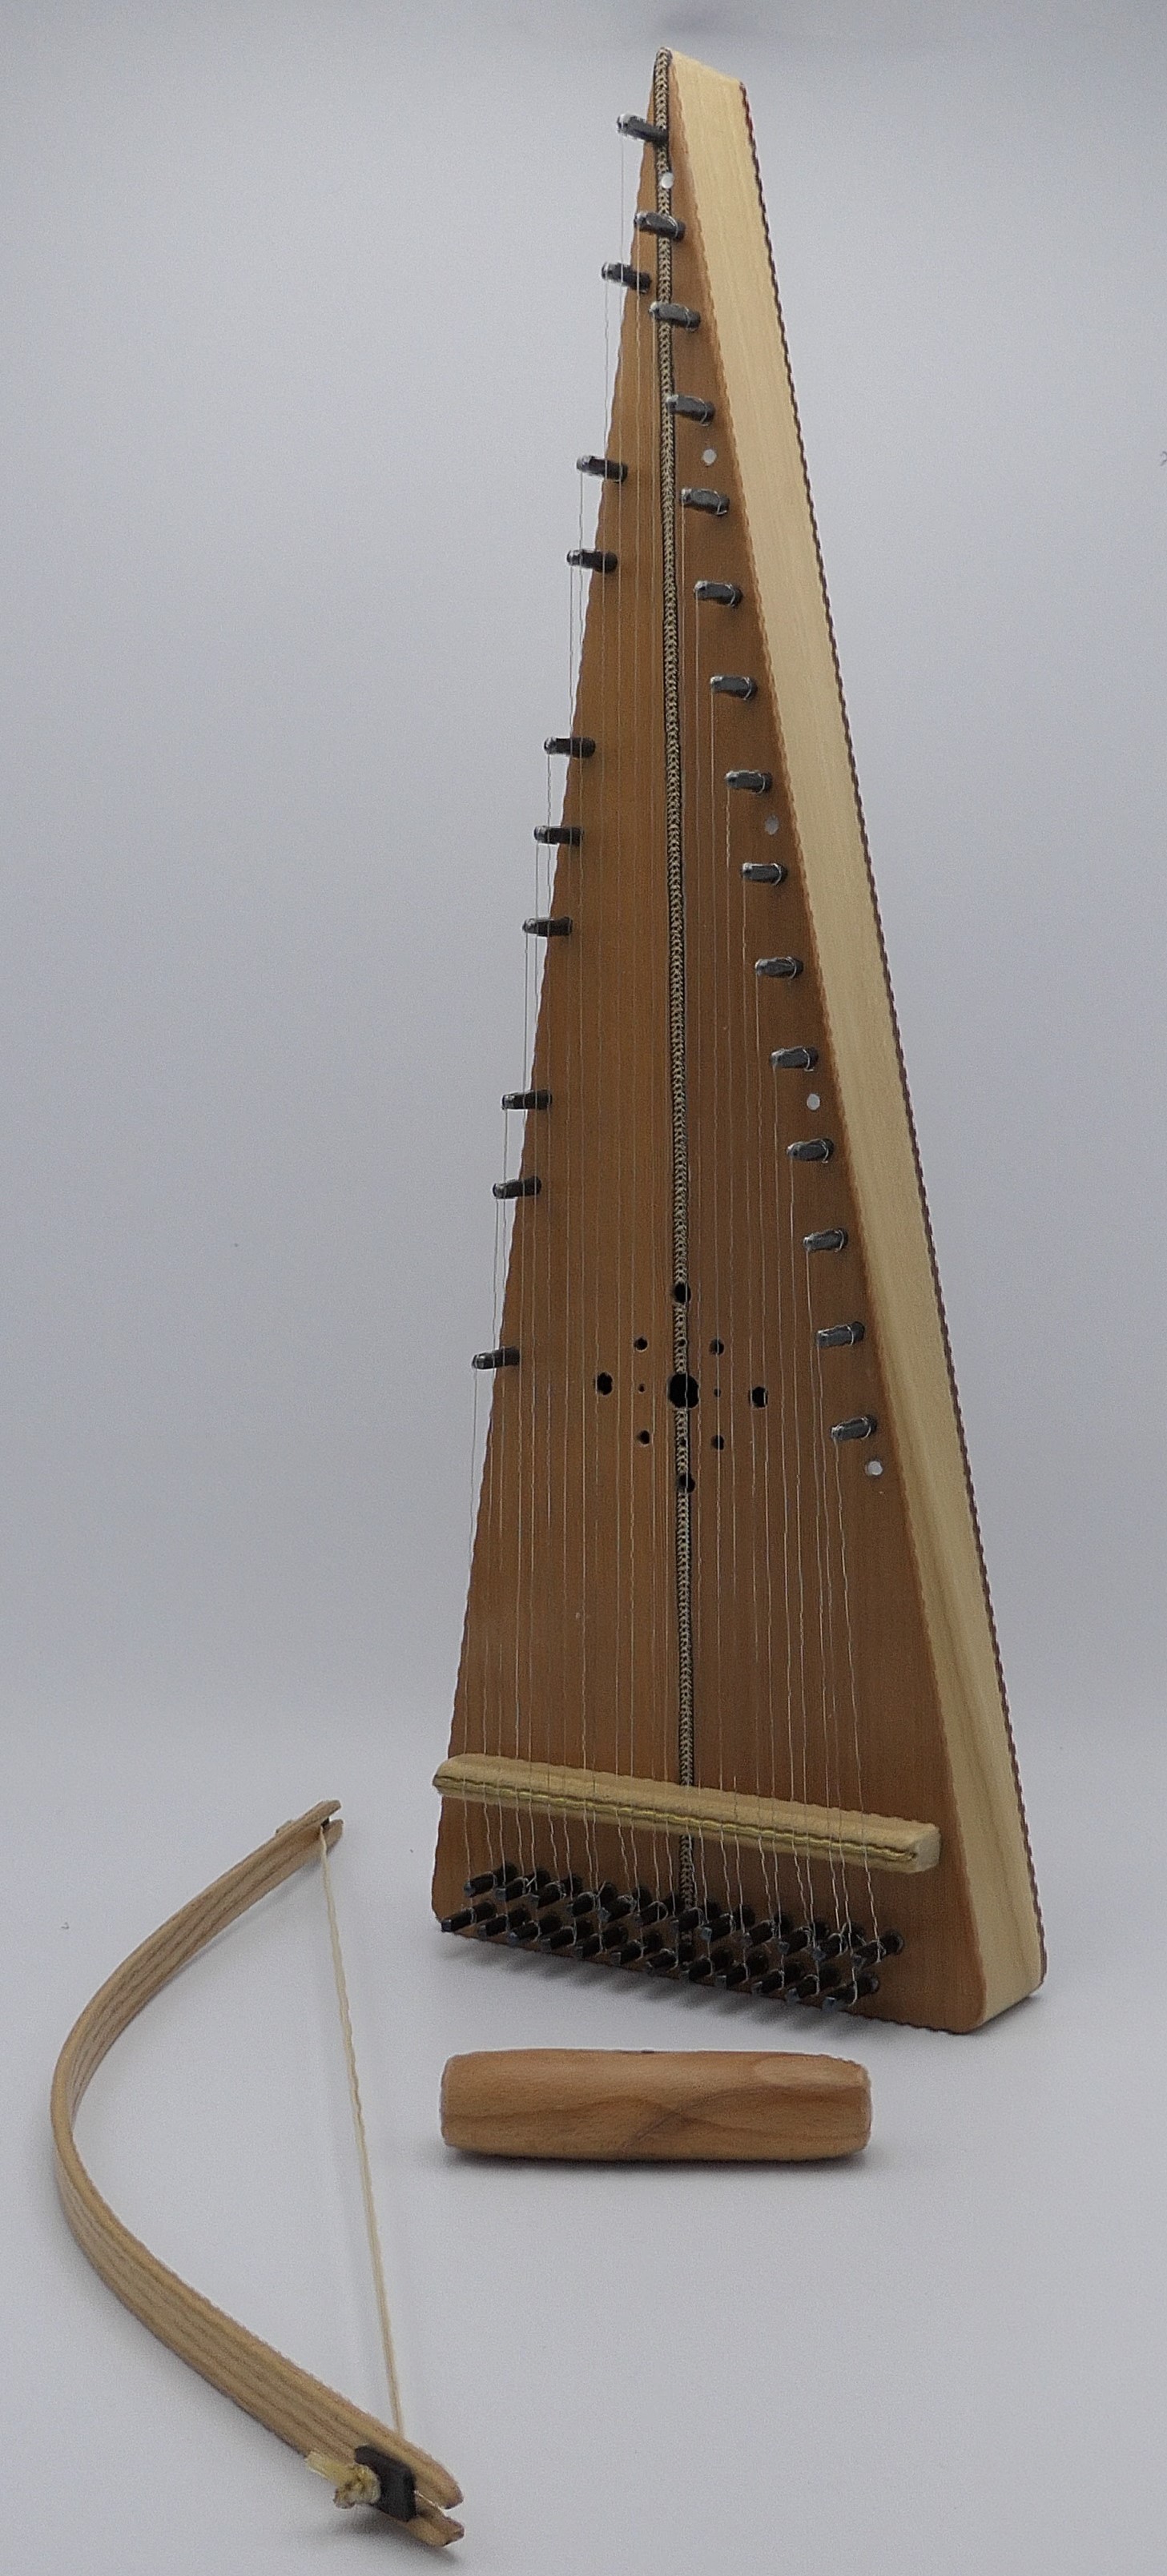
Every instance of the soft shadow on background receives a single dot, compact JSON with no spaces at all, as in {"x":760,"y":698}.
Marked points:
{"x":305,"y":331}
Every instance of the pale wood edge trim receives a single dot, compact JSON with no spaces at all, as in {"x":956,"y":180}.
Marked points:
{"x":762,"y":424}
{"x":662,"y":1806}
{"x":292,"y":2404}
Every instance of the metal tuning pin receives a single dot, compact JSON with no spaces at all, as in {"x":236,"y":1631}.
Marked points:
{"x":786,"y":967}
{"x":763,"y":872}
{"x":690,"y":407}
{"x":667,"y":227}
{"x":679,"y":317}
{"x":751,"y":782}
{"x":732,"y":684}
{"x":720,"y":594}
{"x":813,"y":1149}
{"x":794,"y":1059}
{"x":860,"y":1427}
{"x":616,"y":272}
{"x":545,"y":926}
{"x":528,"y":1187}
{"x":640,"y":131}
{"x":526,"y":1100}
{"x":570,"y":746}
{"x":507,"y":1357}
{"x":559,"y":836}
{"x":609,"y":468}
{"x":592,"y":559}
{"x":838,"y":1337}
{"x":697,"y":496}
{"x":833,"y":1238}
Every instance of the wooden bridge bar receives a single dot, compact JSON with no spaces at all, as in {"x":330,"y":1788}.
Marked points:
{"x":663,"y":1806}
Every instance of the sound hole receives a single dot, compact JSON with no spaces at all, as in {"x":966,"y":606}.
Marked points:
{"x":758,"y":1395}
{"x":682,"y":1390}
{"x":604,"y":1382}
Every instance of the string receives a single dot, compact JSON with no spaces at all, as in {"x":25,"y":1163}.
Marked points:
{"x":371,"y":2228}
{"x":832,"y":1798}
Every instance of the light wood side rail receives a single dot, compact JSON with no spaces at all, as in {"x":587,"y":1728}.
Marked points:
{"x":711,"y":1815}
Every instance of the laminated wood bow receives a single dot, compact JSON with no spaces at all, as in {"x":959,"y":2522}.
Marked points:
{"x":370,"y":2463}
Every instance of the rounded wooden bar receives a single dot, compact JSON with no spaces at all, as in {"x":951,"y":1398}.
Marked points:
{"x":300,"y":2409}
{"x":649,"y":2106}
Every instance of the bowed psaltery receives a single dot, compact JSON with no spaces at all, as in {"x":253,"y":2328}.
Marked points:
{"x":730,"y":1707}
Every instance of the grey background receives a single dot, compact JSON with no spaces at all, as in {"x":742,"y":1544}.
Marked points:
{"x":304,"y":331}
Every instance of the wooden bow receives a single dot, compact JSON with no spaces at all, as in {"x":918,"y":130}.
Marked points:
{"x":403,"y":2481}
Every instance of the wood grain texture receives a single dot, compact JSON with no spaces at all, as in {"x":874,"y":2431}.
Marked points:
{"x":843,"y":1651}
{"x":726,"y":1816}
{"x":648,"y":2106}
{"x":300,"y":2409}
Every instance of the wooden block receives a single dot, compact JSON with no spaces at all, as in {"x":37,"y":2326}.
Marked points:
{"x":650,"y":2106}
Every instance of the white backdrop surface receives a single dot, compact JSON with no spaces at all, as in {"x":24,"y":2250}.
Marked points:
{"x":305,"y":332}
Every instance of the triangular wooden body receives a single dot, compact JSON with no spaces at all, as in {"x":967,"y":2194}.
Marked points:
{"x":772,"y":1588}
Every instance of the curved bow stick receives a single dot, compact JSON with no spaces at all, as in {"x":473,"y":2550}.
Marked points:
{"x":373,"y":2465}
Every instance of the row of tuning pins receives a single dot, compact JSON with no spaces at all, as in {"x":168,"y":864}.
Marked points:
{"x":709,"y":1944}
{"x":756,"y":782}
{"x":734,"y":686}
